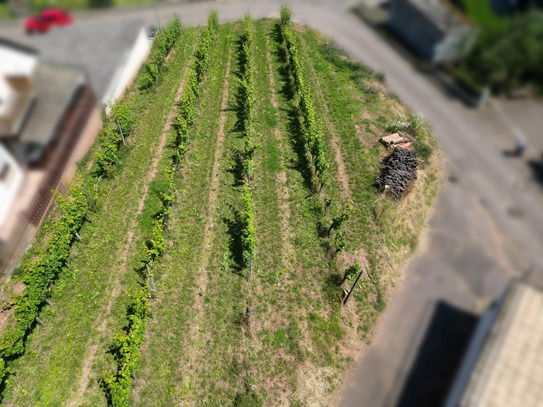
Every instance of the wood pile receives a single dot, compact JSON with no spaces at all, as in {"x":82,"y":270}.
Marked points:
{"x":398,"y":171}
{"x":396,"y":140}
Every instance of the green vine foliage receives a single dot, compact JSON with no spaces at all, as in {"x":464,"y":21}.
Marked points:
{"x":163,"y":43}
{"x":246,"y":89}
{"x":213,"y":23}
{"x":39,"y":276}
{"x":248,"y":235}
{"x":126,"y":350}
{"x":123,"y":114}
{"x":191,"y":93}
{"x":126,"y":345}
{"x":313,"y":132}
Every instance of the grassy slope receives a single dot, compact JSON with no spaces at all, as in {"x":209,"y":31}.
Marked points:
{"x":198,"y":351}
{"x":50,"y":370}
{"x":359,"y":110}
{"x":165,"y":377}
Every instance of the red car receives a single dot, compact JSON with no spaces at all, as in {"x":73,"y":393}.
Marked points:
{"x":46,"y":19}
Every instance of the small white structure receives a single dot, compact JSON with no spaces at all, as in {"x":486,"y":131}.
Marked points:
{"x":16,"y":86}
{"x":110,"y":52}
{"x":127,"y":70}
{"x":11,"y":181}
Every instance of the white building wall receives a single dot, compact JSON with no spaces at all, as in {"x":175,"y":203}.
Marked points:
{"x":11,"y":185}
{"x":13,"y":62}
{"x":126,"y":71}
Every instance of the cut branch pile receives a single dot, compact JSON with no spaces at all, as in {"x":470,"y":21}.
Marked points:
{"x":398,"y":170}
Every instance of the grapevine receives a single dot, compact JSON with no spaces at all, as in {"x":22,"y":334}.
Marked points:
{"x":126,"y":344}
{"x":313,"y":133}
{"x":41,"y":275}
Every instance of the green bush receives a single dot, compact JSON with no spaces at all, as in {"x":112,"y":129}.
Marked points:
{"x":123,"y":114}
{"x":40,"y":274}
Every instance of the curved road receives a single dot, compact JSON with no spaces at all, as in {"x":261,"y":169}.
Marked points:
{"x":474,"y":245}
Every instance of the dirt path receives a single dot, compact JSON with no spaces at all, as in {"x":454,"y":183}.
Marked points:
{"x":343,"y":177}
{"x":281,"y":180}
{"x":89,"y":358}
{"x":202,"y":278}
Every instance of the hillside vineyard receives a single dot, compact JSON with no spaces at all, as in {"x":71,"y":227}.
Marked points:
{"x":202,"y":254}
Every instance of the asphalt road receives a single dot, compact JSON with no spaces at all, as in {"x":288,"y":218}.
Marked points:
{"x":487,"y":228}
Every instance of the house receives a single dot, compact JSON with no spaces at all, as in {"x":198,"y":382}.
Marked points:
{"x":51,"y":95}
{"x":43,"y":108}
{"x":110,"y":52}
{"x":432,"y":28}
{"x":503,"y":364}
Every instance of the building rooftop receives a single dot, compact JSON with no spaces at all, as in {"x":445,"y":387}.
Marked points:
{"x":55,"y":86}
{"x":509,"y":370}
{"x":441,"y":13}
{"x":98,"y":47}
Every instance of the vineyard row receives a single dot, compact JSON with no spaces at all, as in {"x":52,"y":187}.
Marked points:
{"x":127,"y":342}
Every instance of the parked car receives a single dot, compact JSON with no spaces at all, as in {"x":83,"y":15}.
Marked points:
{"x":46,"y":19}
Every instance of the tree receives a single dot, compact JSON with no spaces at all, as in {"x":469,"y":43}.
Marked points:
{"x":507,"y":58}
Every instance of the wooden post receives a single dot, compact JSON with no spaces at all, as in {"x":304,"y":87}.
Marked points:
{"x":151,"y":279}
{"x":39,"y":321}
{"x":353,"y":287}
{"x":48,"y":301}
{"x":120,"y":131}
{"x":78,"y":237}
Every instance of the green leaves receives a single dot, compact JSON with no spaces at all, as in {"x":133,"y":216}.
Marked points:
{"x":39,"y":275}
{"x":248,"y":235}
{"x":508,"y":56}
{"x":213,"y":22}
{"x":246,"y":95}
{"x":341,"y":218}
{"x":285,"y":15}
{"x":126,"y":350}
{"x":313,"y":133}
{"x":191,"y":92}
{"x":125,"y":346}
{"x":163,"y":43}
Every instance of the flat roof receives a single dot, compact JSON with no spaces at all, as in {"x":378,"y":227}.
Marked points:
{"x":509,"y":371}
{"x":55,"y":86}
{"x":441,"y":13}
{"x":99,"y":47}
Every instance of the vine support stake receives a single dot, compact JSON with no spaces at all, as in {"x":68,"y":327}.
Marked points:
{"x":78,"y":237}
{"x":39,"y":321}
{"x":151,"y":279}
{"x":353,"y":287}
{"x":121,"y":131}
{"x":48,"y":301}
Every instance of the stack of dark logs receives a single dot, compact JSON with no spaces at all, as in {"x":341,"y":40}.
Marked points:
{"x":398,"y":171}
